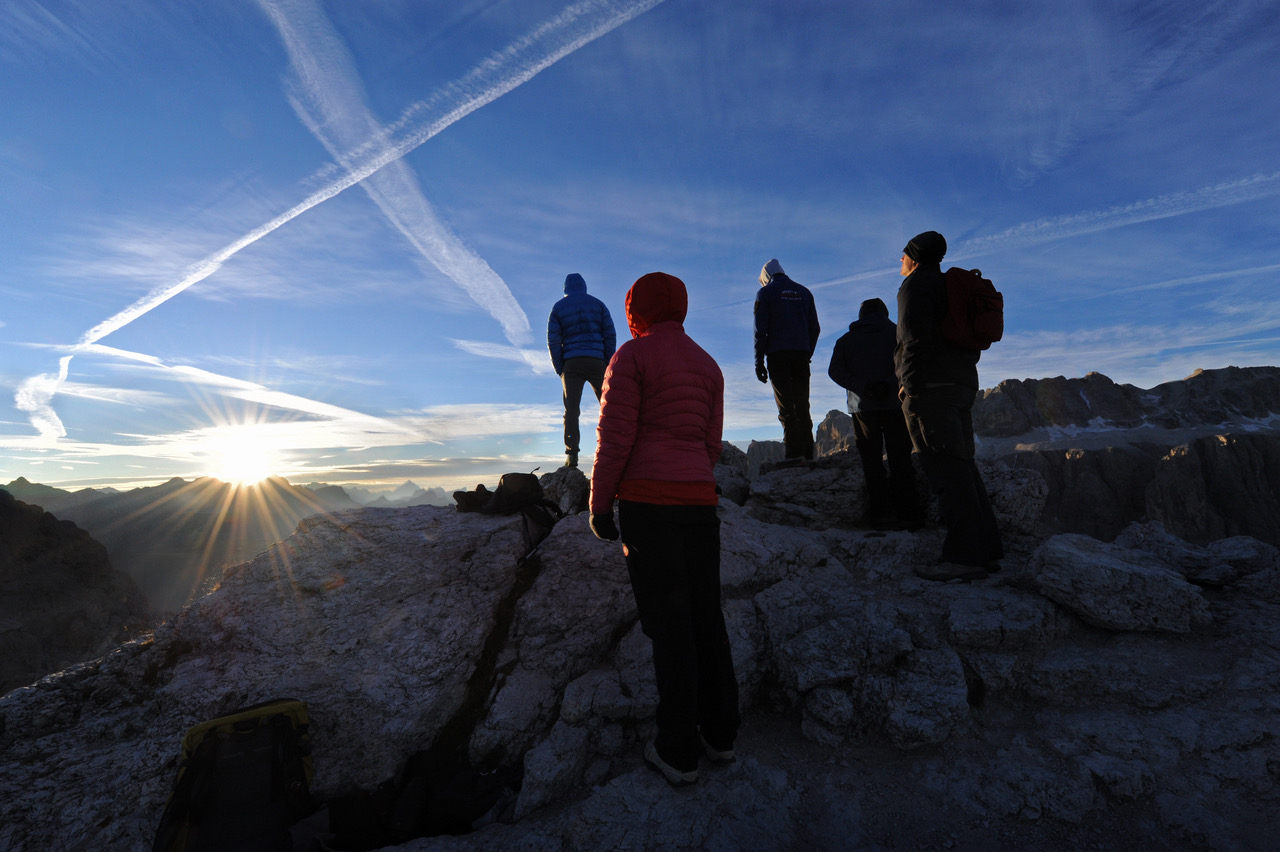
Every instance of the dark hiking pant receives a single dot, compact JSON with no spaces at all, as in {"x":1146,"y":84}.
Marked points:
{"x":789,"y":375}
{"x":673,"y":559}
{"x":941,"y":428}
{"x":877,"y":434}
{"x":576,"y":373}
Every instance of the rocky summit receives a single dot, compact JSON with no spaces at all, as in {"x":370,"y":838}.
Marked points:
{"x":1091,"y":694}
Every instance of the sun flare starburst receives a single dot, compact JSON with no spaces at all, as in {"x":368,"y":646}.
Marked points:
{"x":239,"y":456}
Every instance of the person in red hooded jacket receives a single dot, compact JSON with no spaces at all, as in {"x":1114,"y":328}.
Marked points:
{"x":657,"y":443}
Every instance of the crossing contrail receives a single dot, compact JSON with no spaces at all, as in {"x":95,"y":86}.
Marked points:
{"x":578,"y":25}
{"x":330,"y":99}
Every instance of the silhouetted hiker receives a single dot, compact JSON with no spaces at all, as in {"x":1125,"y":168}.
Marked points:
{"x":939,"y":381}
{"x":581,"y":340}
{"x":786,"y":333}
{"x":657,"y":445}
{"x":862,"y":364}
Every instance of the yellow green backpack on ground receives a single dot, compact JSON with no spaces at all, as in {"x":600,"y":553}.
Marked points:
{"x":243,"y":780}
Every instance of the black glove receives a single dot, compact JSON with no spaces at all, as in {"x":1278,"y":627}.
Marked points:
{"x":761,"y":373}
{"x":604,"y":527}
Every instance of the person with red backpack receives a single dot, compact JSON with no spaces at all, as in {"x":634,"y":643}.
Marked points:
{"x":657,"y":443}
{"x":938,"y":381}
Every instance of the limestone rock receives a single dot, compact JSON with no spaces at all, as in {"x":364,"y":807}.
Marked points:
{"x":1082,"y":675}
{"x":732,"y":474}
{"x":834,"y":434}
{"x":759,"y":452}
{"x":1219,"y":486}
{"x":831,"y":492}
{"x":1096,"y":492}
{"x":1207,"y":397}
{"x":568,"y":488}
{"x":62,"y":600}
{"x":1116,"y":588}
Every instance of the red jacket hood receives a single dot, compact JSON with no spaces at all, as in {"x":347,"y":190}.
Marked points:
{"x":654,"y":298}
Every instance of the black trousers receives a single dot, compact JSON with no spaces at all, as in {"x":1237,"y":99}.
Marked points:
{"x":789,"y":375}
{"x":673,"y":559}
{"x":877,"y":434}
{"x":941,"y":427}
{"x":576,"y":373}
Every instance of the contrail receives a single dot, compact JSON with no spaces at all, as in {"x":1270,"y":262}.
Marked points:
{"x":1056,"y":228}
{"x":578,"y":25}
{"x":332,"y":104}
{"x":1161,"y":207}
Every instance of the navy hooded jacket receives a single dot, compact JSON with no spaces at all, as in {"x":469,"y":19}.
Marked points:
{"x":579,"y":326}
{"x":785,"y":318}
{"x":862,"y":361}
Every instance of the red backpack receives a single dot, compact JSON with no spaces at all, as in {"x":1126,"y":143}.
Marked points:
{"x":975,"y":310}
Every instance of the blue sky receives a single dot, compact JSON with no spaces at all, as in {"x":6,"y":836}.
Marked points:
{"x":322,"y":238}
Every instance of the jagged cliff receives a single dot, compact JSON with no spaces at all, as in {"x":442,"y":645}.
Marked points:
{"x":1115,"y":695}
{"x":1201,"y":455}
{"x":62,"y":601}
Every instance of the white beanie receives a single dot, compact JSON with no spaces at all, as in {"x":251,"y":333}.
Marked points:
{"x":770,"y":269}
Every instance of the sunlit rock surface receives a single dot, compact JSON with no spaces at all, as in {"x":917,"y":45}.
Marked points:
{"x":1091,"y":693}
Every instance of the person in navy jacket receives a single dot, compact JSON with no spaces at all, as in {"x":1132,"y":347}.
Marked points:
{"x":786,"y":333}
{"x":581,"y":340}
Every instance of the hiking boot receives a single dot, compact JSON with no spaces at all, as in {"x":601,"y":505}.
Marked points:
{"x":944,"y":571}
{"x":717,"y":755}
{"x":571,"y":460}
{"x":674,"y":776}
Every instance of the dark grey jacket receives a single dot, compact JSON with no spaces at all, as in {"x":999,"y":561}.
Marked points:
{"x":862,"y":361}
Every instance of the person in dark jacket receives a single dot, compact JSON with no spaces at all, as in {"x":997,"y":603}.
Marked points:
{"x":786,"y":333}
{"x":581,"y":340}
{"x":938,"y":382}
{"x":862,"y":364}
{"x":657,"y":444}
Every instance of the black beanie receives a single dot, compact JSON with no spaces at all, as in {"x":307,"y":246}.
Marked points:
{"x":929,"y":247}
{"x":872,"y":308}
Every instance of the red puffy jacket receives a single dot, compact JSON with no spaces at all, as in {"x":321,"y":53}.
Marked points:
{"x":662,"y":408}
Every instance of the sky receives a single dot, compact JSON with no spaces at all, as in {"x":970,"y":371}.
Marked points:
{"x":321,"y":239}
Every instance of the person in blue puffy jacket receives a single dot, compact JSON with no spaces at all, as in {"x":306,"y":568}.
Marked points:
{"x":581,"y":340}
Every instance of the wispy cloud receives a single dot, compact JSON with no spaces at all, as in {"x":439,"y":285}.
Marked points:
{"x":1225,"y":331}
{"x":329,"y":98}
{"x":28,"y":28}
{"x":1160,"y":207}
{"x":576,"y":26}
{"x":535,"y":359}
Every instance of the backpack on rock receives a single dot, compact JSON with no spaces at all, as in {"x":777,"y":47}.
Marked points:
{"x":243,"y":780}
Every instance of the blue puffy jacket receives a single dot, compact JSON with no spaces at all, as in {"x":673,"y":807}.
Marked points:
{"x":785,"y":318}
{"x":579,"y":326}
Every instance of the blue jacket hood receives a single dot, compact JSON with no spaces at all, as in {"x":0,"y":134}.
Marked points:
{"x":574,"y":283}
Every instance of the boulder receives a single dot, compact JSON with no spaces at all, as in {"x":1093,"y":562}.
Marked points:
{"x":1116,"y":588}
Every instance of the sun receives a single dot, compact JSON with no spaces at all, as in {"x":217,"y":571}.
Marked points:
{"x":239,"y":456}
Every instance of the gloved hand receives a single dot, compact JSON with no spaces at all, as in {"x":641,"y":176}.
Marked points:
{"x":761,"y":373}
{"x":603,"y":526}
